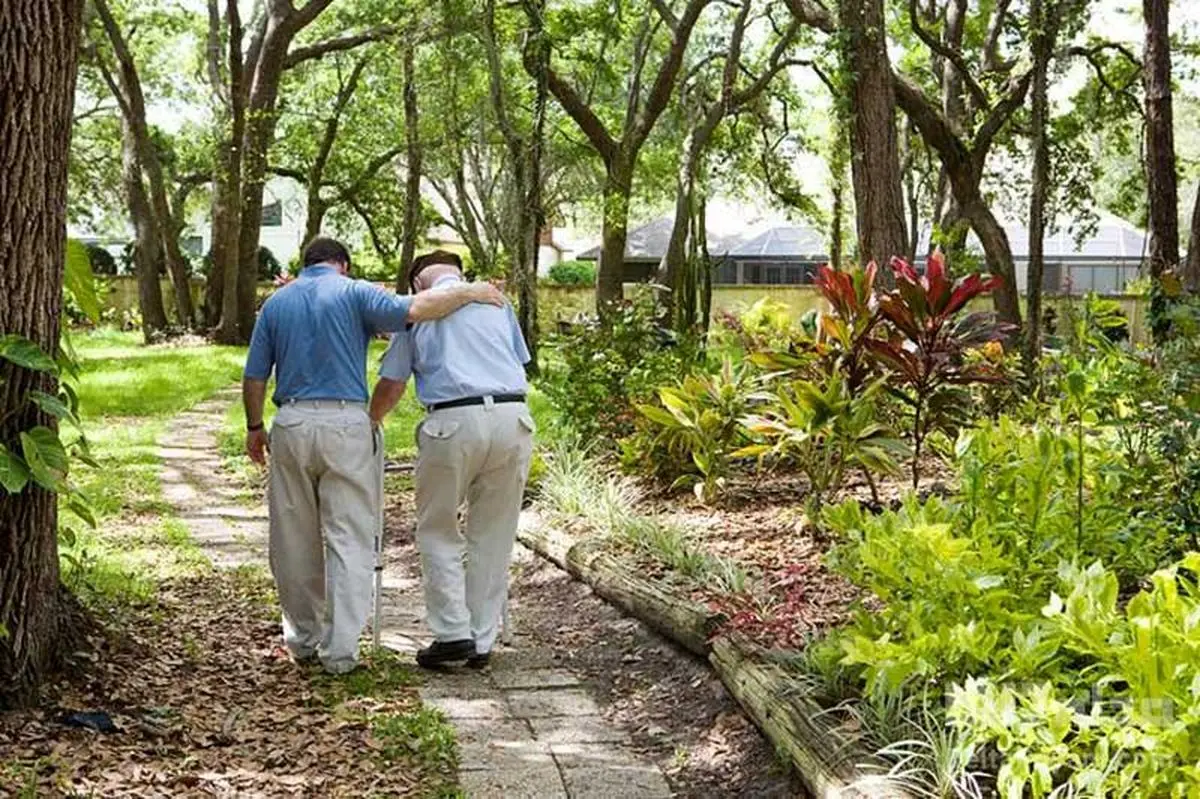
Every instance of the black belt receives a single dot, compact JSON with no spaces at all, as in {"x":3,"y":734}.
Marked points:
{"x":468,"y":401}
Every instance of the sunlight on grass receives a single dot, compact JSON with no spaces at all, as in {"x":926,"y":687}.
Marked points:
{"x":128,"y":392}
{"x":119,"y":378}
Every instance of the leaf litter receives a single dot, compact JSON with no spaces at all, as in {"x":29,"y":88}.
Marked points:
{"x":205,"y":701}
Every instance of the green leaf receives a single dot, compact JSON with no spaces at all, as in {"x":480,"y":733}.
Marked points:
{"x":46,"y":457}
{"x":80,"y":508}
{"x":53,"y":406}
{"x":14,"y":474}
{"x":78,"y":280}
{"x":66,"y":536}
{"x":658,"y":416}
{"x":23,"y":352}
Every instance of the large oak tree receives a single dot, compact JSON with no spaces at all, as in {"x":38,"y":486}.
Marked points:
{"x":39,"y":47}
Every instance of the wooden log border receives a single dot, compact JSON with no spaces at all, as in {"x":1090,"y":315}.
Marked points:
{"x":829,"y":764}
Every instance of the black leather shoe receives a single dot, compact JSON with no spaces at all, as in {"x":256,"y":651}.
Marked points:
{"x":442,"y":653}
{"x":479,"y":660}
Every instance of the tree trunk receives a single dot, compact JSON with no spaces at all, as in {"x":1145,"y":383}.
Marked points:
{"x":133,"y":107}
{"x":412,"y":179}
{"x":674,"y":261}
{"x":226,"y":226}
{"x":314,"y":214}
{"x":875,"y":159}
{"x":1191,"y":270}
{"x":610,"y":281}
{"x":534,"y":216}
{"x":147,"y":242}
{"x":1043,"y":44}
{"x":39,"y":44}
{"x":1161,"y":179}
{"x":998,"y":253}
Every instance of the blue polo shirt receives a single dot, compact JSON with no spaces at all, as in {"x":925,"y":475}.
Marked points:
{"x":476,"y":351}
{"x":314,"y":333}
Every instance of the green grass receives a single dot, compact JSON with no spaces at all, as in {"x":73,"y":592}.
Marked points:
{"x":119,"y":377}
{"x":127,"y":394}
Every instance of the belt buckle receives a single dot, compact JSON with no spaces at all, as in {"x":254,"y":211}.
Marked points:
{"x":489,"y":402}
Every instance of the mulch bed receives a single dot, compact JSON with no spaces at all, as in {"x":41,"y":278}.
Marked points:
{"x":759,"y":523}
{"x":205,"y":702}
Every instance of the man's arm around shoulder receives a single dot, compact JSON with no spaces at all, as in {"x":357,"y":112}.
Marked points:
{"x":390,"y":312}
{"x":430,"y":305}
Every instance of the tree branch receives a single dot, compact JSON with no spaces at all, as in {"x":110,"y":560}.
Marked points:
{"x":668,"y":16}
{"x":950,"y":54}
{"x":587,"y":120}
{"x":317,"y":171}
{"x":1013,"y":99}
{"x":664,"y":82}
{"x":813,"y":14}
{"x":369,"y":172}
{"x":338,"y":45}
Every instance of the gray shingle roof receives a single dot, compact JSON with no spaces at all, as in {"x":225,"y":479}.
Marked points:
{"x":649,"y":242}
{"x":789,"y":241}
{"x":1114,"y":239}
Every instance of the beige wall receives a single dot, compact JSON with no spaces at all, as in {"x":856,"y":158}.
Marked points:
{"x":563,"y":303}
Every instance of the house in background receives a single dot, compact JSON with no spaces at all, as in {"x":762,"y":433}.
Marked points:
{"x":1105,"y":262}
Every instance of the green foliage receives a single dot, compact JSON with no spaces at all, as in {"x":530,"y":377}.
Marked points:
{"x":573,"y":273}
{"x":824,"y":431}
{"x":766,"y":325}
{"x":598,"y":372}
{"x":1128,"y":722}
{"x":689,"y":435}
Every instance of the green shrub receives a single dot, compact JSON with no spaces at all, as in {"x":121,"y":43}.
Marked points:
{"x":824,"y":431}
{"x":1126,"y":722}
{"x":572,"y":273}
{"x":598,"y":372}
{"x":689,"y":435}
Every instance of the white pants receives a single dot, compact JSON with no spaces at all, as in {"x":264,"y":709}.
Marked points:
{"x":478,"y":455}
{"x":325,"y":463}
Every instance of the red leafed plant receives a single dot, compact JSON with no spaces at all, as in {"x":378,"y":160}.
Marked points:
{"x":851,"y":294}
{"x":928,"y":338}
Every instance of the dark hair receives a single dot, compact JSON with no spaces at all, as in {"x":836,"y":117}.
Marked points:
{"x":323,"y":250}
{"x":421,"y":262}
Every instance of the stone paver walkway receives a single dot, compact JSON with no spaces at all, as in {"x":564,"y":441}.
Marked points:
{"x":525,"y":728}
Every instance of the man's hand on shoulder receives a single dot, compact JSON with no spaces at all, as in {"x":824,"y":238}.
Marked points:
{"x":488,"y":293}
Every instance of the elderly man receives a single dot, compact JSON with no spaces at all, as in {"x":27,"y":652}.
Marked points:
{"x":325,"y":454}
{"x":474,"y":447}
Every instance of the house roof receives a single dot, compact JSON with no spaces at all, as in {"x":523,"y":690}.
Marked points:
{"x":649,"y":242}
{"x":1113,"y":239}
{"x":786,"y":241}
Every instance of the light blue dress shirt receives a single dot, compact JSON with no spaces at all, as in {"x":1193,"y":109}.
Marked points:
{"x":476,"y":351}
{"x":314,"y":332}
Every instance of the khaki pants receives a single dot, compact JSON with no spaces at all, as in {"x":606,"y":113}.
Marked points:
{"x":478,"y":455}
{"x":325,"y":463}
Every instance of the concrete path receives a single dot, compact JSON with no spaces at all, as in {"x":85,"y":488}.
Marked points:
{"x":525,"y":727}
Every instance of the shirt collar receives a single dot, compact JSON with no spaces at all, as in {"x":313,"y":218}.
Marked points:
{"x":446,"y":279}
{"x":318,"y":269}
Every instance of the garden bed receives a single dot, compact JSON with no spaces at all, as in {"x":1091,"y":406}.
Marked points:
{"x":822,"y":749}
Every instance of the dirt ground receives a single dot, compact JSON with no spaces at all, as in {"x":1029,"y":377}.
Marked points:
{"x":203,"y":701}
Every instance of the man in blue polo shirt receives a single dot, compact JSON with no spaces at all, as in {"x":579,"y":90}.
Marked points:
{"x":325,"y":454}
{"x":474,"y":447}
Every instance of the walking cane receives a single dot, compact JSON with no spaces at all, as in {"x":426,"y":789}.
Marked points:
{"x":378,"y":609}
